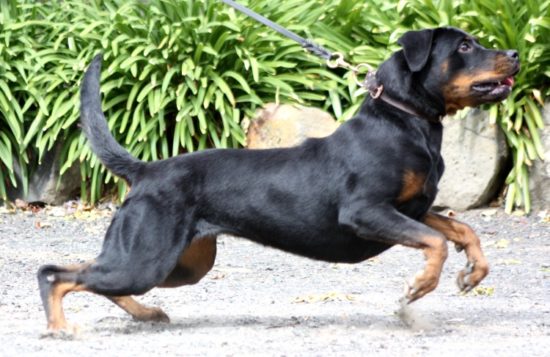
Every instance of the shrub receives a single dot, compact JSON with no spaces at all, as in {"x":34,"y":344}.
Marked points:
{"x":179,"y":76}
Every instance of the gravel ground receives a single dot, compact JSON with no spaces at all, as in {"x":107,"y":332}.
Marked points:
{"x":258,"y":300}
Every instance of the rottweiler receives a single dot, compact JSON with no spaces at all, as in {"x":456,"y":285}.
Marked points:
{"x":343,"y":198}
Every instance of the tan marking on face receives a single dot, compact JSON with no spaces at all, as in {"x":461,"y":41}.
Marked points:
{"x":413,"y":184}
{"x":458,"y":93}
{"x":444,"y":67}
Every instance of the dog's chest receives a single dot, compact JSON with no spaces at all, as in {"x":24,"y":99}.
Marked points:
{"x":419,"y":187}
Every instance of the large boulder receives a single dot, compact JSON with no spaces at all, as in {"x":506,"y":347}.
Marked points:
{"x":288,"y":125}
{"x":475,"y":154}
{"x":540,"y":172}
{"x":45,"y":184}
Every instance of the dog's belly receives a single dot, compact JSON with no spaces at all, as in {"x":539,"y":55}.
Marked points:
{"x":328,"y":244}
{"x":337,"y":249}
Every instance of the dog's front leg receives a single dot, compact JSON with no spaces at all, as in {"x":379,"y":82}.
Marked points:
{"x":464,"y":238}
{"x":387,"y":225}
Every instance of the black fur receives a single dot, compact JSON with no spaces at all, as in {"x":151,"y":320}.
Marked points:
{"x":338,"y":199}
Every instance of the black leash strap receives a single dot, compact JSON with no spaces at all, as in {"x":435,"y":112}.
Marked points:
{"x":307,"y":44}
{"x":334,"y":60}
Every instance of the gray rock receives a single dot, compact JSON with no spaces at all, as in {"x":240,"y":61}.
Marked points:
{"x":45,"y":184}
{"x":540,"y":172}
{"x":475,"y":154}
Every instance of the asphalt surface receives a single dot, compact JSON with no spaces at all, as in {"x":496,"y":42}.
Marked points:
{"x":259,"y":301}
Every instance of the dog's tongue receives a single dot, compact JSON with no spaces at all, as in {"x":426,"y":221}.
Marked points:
{"x":508,"y":81}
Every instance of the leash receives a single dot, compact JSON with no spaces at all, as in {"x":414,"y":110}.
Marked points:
{"x":333,"y":59}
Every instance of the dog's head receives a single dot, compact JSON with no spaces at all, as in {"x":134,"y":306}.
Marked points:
{"x":448,"y":69}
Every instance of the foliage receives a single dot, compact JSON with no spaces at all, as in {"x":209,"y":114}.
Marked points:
{"x":179,"y":76}
{"x":182,"y":75}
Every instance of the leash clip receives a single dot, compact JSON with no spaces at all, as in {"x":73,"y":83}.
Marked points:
{"x":337,"y":60}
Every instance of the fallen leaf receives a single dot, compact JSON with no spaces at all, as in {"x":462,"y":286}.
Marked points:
{"x":488,"y":243}
{"x":7,"y":208}
{"x":57,"y":212}
{"x":502,"y":244}
{"x":544,"y":216}
{"x":510,"y":262}
{"x":330,"y":296}
{"x":42,"y":224}
{"x":23,"y":205}
{"x":217,"y":276}
{"x":489,"y":212}
{"x":89,"y":214}
{"x":483,"y":291}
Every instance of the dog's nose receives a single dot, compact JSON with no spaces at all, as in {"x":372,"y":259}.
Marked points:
{"x":513,"y":54}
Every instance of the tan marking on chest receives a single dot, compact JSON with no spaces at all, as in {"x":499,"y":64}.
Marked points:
{"x":413,"y":184}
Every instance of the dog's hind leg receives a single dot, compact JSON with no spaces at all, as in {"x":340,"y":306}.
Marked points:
{"x":193,"y":264}
{"x":55,"y":282}
{"x":137,"y":255}
{"x":139,"y":311}
{"x":114,"y":283}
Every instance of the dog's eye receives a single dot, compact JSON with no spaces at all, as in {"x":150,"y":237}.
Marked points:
{"x":465,"y":46}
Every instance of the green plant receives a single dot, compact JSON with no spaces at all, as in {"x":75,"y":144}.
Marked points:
{"x":179,"y":76}
{"x":525,"y":26}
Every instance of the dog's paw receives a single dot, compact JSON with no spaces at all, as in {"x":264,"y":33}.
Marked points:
{"x":471,"y":276}
{"x":421,"y":284}
{"x":160,"y":316}
{"x":153,"y":314}
{"x":66,"y":332}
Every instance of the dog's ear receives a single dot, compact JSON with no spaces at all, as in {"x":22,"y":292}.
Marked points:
{"x":416,"y":47}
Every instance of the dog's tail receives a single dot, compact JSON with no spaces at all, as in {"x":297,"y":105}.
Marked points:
{"x":95,"y":127}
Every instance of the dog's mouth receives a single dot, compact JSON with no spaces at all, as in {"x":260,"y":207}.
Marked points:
{"x":498,"y":88}
{"x":495,"y":87}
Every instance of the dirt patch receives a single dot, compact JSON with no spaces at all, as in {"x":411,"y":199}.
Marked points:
{"x":258,"y":300}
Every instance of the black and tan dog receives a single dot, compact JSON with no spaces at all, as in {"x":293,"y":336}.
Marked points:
{"x":344,"y":198}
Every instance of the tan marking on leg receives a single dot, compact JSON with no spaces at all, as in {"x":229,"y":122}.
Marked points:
{"x":56,"y":318}
{"x":464,"y":237}
{"x":427,"y":280}
{"x":413,"y":183}
{"x":194,"y":263}
{"x":138,"y":311}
